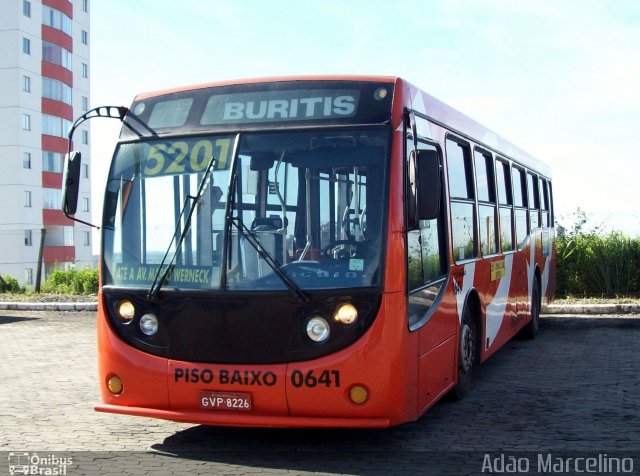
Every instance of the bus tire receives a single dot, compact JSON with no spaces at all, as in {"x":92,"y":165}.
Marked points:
{"x":467,"y":355}
{"x":530,"y":331}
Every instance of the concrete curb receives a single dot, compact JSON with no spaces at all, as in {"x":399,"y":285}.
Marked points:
{"x":591,"y":309}
{"x":48,"y":306}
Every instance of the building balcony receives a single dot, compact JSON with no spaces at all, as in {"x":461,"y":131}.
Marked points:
{"x":55,"y":217}
{"x":55,"y":144}
{"x":57,"y":108}
{"x":58,"y":254}
{"x":52,"y":35}
{"x":52,"y":180}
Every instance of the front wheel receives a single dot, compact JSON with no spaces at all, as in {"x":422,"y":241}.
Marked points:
{"x":467,"y":356}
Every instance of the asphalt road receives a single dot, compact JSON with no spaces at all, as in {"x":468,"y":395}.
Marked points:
{"x":572,"y":393}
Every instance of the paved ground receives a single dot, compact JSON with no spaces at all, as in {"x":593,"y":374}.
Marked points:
{"x":573,"y":392}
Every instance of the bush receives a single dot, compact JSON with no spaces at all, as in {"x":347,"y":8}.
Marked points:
{"x":72,"y":281}
{"x":591,"y":263}
{"x":9,"y":284}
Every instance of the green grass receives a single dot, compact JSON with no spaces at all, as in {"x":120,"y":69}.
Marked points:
{"x":593,"y":264}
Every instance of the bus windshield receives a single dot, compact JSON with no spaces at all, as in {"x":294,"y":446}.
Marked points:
{"x":301,"y":206}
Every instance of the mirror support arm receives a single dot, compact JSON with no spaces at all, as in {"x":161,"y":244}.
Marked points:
{"x":113,"y":112}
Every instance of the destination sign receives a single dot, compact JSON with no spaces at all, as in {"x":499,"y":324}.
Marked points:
{"x":181,"y":276}
{"x":261,"y":106}
{"x":285,"y":105}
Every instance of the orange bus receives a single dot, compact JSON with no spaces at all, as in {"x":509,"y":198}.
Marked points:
{"x":310,"y":252}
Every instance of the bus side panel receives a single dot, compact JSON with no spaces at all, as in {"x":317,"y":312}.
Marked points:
{"x":436,"y":373}
{"x":437,"y":352}
{"x":144,"y":376}
{"x":383,"y":361}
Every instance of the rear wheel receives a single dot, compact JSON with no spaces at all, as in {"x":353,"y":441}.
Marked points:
{"x":467,"y":355}
{"x":530,"y":331}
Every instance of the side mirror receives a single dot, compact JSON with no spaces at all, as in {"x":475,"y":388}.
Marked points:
{"x":429,"y":185}
{"x":71,"y":183}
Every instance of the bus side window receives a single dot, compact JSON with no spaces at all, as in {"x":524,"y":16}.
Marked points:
{"x":552,"y":218}
{"x":505,"y":200}
{"x":534,"y":200}
{"x":461,"y":192}
{"x":485,"y":185}
{"x":544,"y":202}
{"x":520,"y":204}
{"x":426,"y":245}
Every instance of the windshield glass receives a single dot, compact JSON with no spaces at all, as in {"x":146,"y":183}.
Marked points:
{"x":307,"y":203}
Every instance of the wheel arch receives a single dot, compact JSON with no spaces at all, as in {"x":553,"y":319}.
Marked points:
{"x":474,"y":305}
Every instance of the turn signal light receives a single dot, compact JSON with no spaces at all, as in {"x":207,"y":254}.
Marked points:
{"x":358,"y":394}
{"x":114,"y":384}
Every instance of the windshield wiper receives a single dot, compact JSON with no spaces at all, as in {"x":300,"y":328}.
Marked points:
{"x":273,"y":264}
{"x":161,"y":274}
{"x":230,"y":220}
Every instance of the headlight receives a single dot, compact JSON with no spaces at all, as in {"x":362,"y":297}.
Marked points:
{"x":318,"y":329}
{"x":149,"y":324}
{"x":346,"y":314}
{"x":126,"y":310}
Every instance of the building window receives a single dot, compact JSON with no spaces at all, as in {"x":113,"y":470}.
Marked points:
{"x":51,"y":162}
{"x":26,"y":46}
{"x":85,"y":103}
{"x":67,"y":234}
{"x":55,"y":126}
{"x":87,"y":238}
{"x":85,"y":5}
{"x":26,"y":8}
{"x":57,"y":90}
{"x":84,"y":37}
{"x":85,"y":204}
{"x":85,"y":170}
{"x":56,"y":54}
{"x":26,"y":122}
{"x":51,"y":198}
{"x":28,"y":238}
{"x":26,"y":160}
{"x":26,"y":83}
{"x":85,"y":70}
{"x":28,"y":276}
{"x":56,"y":19}
{"x":27,"y":198}
{"x":85,"y":137}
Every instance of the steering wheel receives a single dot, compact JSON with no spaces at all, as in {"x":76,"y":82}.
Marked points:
{"x":359,"y":245}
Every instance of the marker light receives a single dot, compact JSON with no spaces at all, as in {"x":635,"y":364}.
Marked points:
{"x":358,"y":394}
{"x":149,"y":324}
{"x":318,"y":329}
{"x":115,"y":385}
{"x":380,"y":93}
{"x":126,"y":311}
{"x":346,"y":314}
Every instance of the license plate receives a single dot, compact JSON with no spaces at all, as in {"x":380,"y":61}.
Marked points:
{"x":225,"y":401}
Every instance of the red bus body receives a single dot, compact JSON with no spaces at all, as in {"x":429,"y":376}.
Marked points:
{"x":403,"y":370}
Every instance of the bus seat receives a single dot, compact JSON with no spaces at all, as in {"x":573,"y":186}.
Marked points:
{"x":265,"y":230}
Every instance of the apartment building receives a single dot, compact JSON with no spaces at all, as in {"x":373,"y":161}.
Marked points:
{"x":44,"y":86}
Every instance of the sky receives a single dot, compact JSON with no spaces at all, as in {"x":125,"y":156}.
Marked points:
{"x":559,"y":79}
